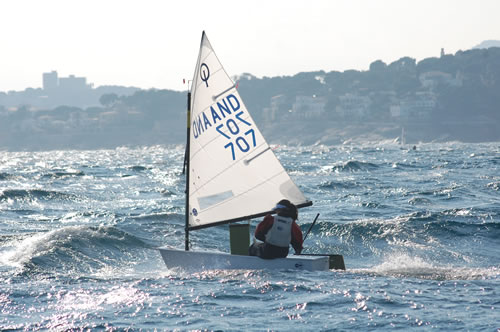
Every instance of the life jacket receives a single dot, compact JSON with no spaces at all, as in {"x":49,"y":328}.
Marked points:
{"x":280,"y":234}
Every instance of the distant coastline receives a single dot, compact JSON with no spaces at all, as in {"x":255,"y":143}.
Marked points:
{"x":451,"y":97}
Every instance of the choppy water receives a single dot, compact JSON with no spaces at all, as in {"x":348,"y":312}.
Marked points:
{"x":419,"y":231}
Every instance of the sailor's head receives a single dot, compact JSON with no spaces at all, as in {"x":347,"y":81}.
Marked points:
{"x":285,"y":208}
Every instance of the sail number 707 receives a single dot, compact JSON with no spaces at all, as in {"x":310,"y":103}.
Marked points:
{"x":241,"y":137}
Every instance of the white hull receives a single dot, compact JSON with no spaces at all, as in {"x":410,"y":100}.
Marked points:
{"x":203,"y":260}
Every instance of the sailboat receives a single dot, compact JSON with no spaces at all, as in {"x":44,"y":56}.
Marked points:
{"x":232,"y":174}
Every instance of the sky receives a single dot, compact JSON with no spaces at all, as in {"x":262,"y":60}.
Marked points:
{"x":154,"y":44}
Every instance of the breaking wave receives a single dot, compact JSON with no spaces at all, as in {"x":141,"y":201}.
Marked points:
{"x":438,"y":245}
{"x":402,"y":265}
{"x":63,"y":174}
{"x":354,"y":166}
{"x":34,"y":194}
{"x":71,"y":250}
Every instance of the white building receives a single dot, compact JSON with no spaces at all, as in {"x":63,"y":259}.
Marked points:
{"x":353,"y":106}
{"x":271,"y":113}
{"x":50,"y":81}
{"x":432,"y":79}
{"x":309,"y":106}
{"x":418,"y":107}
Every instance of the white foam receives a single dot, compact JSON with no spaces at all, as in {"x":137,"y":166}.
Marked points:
{"x":85,"y":300}
{"x":18,"y":252}
{"x":407,"y":266}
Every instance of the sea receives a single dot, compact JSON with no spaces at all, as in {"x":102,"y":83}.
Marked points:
{"x":418,"y":227}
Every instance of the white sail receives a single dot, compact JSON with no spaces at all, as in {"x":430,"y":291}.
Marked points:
{"x":233,"y":173}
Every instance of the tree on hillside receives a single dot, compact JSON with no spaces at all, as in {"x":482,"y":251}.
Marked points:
{"x":108,"y":99}
{"x":378,"y":66}
{"x":404,"y":64}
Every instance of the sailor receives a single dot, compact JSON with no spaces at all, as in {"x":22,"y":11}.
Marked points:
{"x":277,"y":233}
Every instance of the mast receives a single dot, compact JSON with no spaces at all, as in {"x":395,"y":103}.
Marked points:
{"x":186,"y":164}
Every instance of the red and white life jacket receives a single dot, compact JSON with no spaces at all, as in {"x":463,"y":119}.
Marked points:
{"x":280,"y":234}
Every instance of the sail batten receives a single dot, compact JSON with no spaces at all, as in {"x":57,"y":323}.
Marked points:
{"x":242,"y":218}
{"x":245,"y":161}
{"x":223,"y":92}
{"x":234,"y":174}
{"x":266,"y":180}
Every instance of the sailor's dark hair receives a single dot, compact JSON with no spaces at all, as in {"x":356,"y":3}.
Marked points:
{"x":290,"y":209}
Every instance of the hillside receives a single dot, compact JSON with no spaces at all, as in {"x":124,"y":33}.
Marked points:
{"x":451,"y":97}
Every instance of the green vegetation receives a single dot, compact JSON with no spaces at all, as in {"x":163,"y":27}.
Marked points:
{"x":464,"y":86}
{"x":450,"y":97}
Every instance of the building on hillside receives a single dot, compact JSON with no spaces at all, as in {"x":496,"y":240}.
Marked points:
{"x":276,"y":106}
{"x":71,"y":90}
{"x":53,"y":83}
{"x":353,"y":107}
{"x":419,"y":107}
{"x":432,"y":79}
{"x":73,"y":83}
{"x":308,"y":107}
{"x":50,"y":81}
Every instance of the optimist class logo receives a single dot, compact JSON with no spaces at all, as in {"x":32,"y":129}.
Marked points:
{"x":204,"y":73}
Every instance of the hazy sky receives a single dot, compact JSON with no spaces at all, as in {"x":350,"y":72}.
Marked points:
{"x":154,"y":44}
